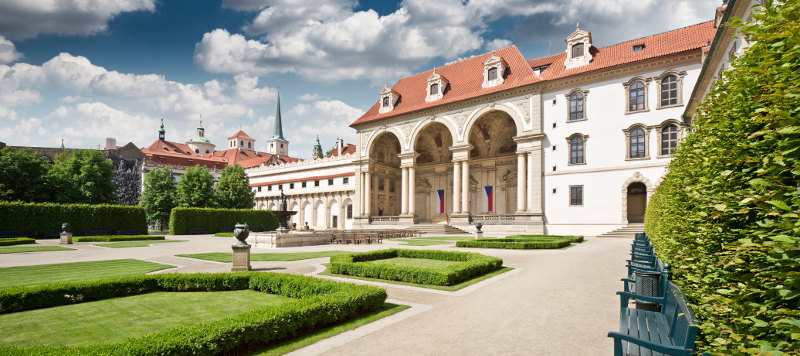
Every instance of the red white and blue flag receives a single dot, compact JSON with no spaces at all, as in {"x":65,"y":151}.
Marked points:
{"x":440,"y":197}
{"x":488,"y":198}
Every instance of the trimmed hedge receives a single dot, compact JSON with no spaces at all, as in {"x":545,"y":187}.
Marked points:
{"x":523,"y":242}
{"x":571,"y":238}
{"x":321,"y":303}
{"x":8,"y":241}
{"x":472,"y":265}
{"x":35,"y":218}
{"x":182,"y":219}
{"x":111,"y":238}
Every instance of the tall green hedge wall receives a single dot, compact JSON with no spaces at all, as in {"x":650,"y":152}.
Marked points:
{"x":182,"y":219}
{"x":35,"y":218}
{"x":727,"y":215}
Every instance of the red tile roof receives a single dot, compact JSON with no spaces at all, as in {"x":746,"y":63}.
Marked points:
{"x":180,"y":154}
{"x":346,"y":150}
{"x":268,"y":159}
{"x":677,"y":41}
{"x":465,"y":77}
{"x":243,"y":135}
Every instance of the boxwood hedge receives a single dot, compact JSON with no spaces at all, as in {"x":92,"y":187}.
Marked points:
{"x":111,"y":238}
{"x":8,"y":241}
{"x":321,"y":303}
{"x":571,"y":238}
{"x":472,"y":265}
{"x":523,"y":242}
{"x":35,"y":218}
{"x":182,"y":219}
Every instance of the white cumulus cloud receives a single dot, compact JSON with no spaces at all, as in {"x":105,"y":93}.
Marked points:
{"x":8,"y":52}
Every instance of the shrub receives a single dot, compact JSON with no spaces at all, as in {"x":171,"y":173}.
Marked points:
{"x":472,"y":265}
{"x":523,"y":242}
{"x":8,"y":241}
{"x":35,"y":218}
{"x":212,"y":219}
{"x":321,"y":303}
{"x":727,"y":215}
{"x":111,"y":238}
{"x":571,"y":238}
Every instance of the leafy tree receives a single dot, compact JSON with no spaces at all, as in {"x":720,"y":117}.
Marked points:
{"x":196,"y":188}
{"x":159,"y":196}
{"x":727,"y":215}
{"x":233,"y":190}
{"x":23,"y":175}
{"x":84,"y":176}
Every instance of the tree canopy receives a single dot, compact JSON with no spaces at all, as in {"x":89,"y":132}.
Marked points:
{"x":23,"y":175}
{"x":159,"y":196}
{"x":233,"y":190}
{"x":83,"y":176}
{"x":196,"y":188}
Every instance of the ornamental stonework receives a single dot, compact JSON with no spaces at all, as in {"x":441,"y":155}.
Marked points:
{"x":523,"y":105}
{"x":460,"y":119}
{"x":406,"y":129}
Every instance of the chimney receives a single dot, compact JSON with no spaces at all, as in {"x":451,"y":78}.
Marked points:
{"x":339,"y":144}
{"x":111,"y":143}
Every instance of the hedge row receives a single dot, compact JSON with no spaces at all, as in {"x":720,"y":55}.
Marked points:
{"x":182,"y":219}
{"x":112,"y":238}
{"x":472,"y":265}
{"x":513,"y":244}
{"x":571,"y":238}
{"x":36,"y":218}
{"x":321,"y":303}
{"x":8,"y":241}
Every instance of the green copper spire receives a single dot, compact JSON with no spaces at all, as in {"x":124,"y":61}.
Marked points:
{"x":161,"y":132}
{"x":278,"y":133}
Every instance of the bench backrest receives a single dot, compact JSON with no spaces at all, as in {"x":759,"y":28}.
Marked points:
{"x":681,"y":322}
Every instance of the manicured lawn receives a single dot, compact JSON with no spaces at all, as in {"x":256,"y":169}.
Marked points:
{"x":122,"y":244}
{"x":416,"y":262}
{"x":73,"y":272}
{"x":303,"y":341}
{"x":416,"y":242}
{"x":224,"y":234}
{"x":296,"y":256}
{"x":452,"y":288}
{"x":17,"y":249}
{"x":117,"y":319}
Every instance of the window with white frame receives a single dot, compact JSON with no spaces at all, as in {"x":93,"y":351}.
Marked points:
{"x":493,"y":71}
{"x":637,"y":142}
{"x":576,"y":100}
{"x":670,"y":91}
{"x":636,"y":95}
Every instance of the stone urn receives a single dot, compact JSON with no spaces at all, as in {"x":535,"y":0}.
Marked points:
{"x":241,"y":232}
{"x":65,"y":227}
{"x":478,"y":226}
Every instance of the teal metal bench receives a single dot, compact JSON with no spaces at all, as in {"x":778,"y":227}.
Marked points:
{"x":671,"y":331}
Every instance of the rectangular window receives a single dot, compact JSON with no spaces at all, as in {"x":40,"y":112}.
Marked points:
{"x":434,"y":89}
{"x":259,"y":189}
{"x":381,"y":183}
{"x":303,"y":184}
{"x":577,"y":50}
{"x":291,"y":185}
{"x":330,"y":181}
{"x":269,"y":188}
{"x":576,"y":195}
{"x":350,"y":211}
{"x":316,"y":183}
{"x":346,"y":180}
{"x":492,"y":75}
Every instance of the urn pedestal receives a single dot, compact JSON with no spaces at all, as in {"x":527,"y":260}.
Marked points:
{"x":241,"y":249}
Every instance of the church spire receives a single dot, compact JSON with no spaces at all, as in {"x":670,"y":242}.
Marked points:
{"x":278,"y":133}
{"x":161,"y":132}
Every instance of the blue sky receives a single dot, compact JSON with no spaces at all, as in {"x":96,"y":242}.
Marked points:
{"x":82,"y":71}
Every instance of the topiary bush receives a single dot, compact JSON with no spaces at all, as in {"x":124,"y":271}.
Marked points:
{"x":571,"y":238}
{"x":35,"y":218}
{"x":111,"y":238}
{"x":8,"y":241}
{"x":727,"y":215}
{"x":320,"y":303}
{"x":523,"y":242}
{"x":182,"y":219}
{"x":472,"y":265}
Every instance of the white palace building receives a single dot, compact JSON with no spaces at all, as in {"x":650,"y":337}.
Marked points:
{"x":571,"y":143}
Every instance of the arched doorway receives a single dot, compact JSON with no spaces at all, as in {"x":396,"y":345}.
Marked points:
{"x":637,"y":202}
{"x":492,"y":160}
{"x":385,"y":174}
{"x":434,"y":158}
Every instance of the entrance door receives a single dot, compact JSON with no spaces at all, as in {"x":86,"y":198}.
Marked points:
{"x":421,"y":206}
{"x":637,"y":202}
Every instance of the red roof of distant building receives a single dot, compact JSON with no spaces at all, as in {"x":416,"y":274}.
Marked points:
{"x":346,"y":150}
{"x":677,"y":41}
{"x":268,"y":159}
{"x":243,"y":135}
{"x":173,"y":153}
{"x":466,"y":79}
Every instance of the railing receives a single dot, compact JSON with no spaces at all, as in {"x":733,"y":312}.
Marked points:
{"x":380,"y":219}
{"x":493,"y":217}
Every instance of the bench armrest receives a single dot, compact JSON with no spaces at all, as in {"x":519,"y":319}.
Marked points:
{"x":627,"y":282}
{"x":624,"y":297}
{"x":666,"y":349}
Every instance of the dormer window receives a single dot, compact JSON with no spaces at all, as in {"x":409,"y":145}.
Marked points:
{"x":638,"y":48}
{"x":389,"y":99}
{"x":437,"y":84}
{"x":579,"y":45}
{"x":493,"y":71}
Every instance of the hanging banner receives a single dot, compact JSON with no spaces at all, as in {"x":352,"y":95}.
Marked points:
{"x":440,"y":196}
{"x":488,"y":198}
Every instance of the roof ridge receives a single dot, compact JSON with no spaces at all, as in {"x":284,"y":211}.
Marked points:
{"x":655,"y":34}
{"x":460,"y":61}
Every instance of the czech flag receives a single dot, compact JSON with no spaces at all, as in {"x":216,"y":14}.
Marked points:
{"x":487,"y":201}
{"x":440,"y":196}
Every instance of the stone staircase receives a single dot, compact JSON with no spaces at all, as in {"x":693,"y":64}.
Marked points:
{"x":626,"y":232}
{"x":437,"y":229}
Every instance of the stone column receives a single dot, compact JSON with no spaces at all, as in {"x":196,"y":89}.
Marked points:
{"x":361,"y":193}
{"x":411,"y":190}
{"x":464,"y":187}
{"x":456,"y":187}
{"x":404,"y":191}
{"x":531,"y":184}
{"x":326,"y":212}
{"x":367,"y":191}
{"x":342,"y":211}
{"x":522,"y":182}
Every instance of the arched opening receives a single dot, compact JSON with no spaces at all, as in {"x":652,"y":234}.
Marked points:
{"x":637,"y":202}
{"x":307,"y":214}
{"x":492,"y":160}
{"x":319,"y":215}
{"x":295,"y":217}
{"x":432,"y":179}
{"x":385,"y":174}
